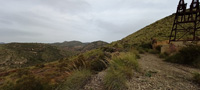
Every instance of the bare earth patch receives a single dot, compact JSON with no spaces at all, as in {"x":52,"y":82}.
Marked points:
{"x":96,"y":82}
{"x":155,"y":74}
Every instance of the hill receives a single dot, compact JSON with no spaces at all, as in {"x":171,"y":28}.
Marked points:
{"x":2,"y":43}
{"x":15,"y":55}
{"x":159,"y":30}
{"x":93,"y":45}
{"x":26,"y":54}
{"x":76,"y":47}
{"x":70,"y":44}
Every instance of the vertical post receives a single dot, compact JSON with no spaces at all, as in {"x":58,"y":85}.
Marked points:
{"x":194,"y":33}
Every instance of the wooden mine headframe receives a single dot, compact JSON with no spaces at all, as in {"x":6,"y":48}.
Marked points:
{"x":186,"y":23}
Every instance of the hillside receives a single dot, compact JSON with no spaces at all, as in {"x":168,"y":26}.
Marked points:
{"x":25,"y":54}
{"x":28,"y":54}
{"x":159,"y":30}
{"x":76,"y":47}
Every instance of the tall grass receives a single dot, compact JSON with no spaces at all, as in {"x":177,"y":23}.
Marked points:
{"x":76,"y":80}
{"x":121,"y":69}
{"x":94,"y":60}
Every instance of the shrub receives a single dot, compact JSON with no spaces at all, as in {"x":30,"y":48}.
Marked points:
{"x":146,"y":45}
{"x":115,"y":80}
{"x":40,"y":66}
{"x":95,"y":60}
{"x":98,"y":65}
{"x":21,"y":72}
{"x":7,"y":86}
{"x":158,"y":48}
{"x":153,"y":51}
{"x":120,"y":70}
{"x":163,"y":55}
{"x":62,"y":66}
{"x":196,"y":77}
{"x":141,"y":50}
{"x":108,"y":49}
{"x":76,"y":80}
{"x":189,"y":55}
{"x":30,"y":82}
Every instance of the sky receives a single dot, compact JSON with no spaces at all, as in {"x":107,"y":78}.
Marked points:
{"x":48,"y":21}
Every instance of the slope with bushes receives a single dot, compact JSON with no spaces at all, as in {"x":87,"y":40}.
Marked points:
{"x":25,"y":54}
{"x":52,"y":75}
{"x":189,"y":55}
{"x":159,"y":30}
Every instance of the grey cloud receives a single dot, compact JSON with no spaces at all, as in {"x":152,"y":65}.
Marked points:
{"x":4,"y":32}
{"x":84,"y":20}
{"x":69,"y":6}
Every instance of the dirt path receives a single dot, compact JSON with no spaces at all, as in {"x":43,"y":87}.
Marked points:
{"x":96,"y":82}
{"x":155,"y":75}
{"x":159,"y":75}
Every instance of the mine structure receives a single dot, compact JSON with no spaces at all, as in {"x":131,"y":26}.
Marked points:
{"x":186,"y":26}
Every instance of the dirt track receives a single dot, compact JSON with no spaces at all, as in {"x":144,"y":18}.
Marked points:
{"x":155,"y":75}
{"x":159,"y":75}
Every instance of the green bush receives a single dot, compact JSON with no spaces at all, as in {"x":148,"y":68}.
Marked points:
{"x":120,"y":70}
{"x":189,"y":55}
{"x":76,"y":80}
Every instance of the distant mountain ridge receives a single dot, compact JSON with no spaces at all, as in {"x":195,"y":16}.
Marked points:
{"x":70,"y":44}
{"x":2,"y":43}
{"x":77,"y":46}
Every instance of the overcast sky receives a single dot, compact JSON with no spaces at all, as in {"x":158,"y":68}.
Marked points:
{"x":50,"y":21}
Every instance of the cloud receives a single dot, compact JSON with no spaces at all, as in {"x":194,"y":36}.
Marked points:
{"x":84,"y":20}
